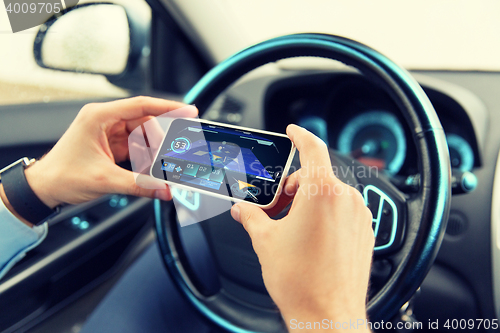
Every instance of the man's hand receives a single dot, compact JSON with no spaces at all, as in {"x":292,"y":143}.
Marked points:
{"x":316,"y":260}
{"x":82,"y":165}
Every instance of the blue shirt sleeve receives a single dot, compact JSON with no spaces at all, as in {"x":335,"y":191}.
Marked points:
{"x":16,"y":238}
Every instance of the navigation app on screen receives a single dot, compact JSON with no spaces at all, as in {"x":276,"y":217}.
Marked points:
{"x":228,"y":161}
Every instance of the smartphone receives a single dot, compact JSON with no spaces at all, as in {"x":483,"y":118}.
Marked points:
{"x":225,"y":161}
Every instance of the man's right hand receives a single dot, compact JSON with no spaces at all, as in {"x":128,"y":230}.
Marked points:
{"x":316,"y":260}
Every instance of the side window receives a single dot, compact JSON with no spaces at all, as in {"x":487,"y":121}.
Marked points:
{"x":23,"y":81}
{"x":54,"y":62}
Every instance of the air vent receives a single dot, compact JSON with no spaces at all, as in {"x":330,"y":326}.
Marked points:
{"x":457,"y":224}
{"x":226,"y":109}
{"x":231,"y":104}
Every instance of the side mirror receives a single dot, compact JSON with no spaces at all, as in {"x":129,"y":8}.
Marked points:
{"x":97,"y":38}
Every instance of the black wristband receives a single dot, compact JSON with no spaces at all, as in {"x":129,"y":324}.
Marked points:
{"x":22,"y":198}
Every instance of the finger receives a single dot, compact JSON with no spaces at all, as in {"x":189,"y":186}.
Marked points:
{"x":311,"y":148}
{"x":141,"y":157}
{"x":148,"y":182}
{"x":187,"y":111}
{"x":134,"y":123}
{"x":250,"y":216}
{"x":291,"y":184}
{"x":144,"y":142}
{"x":154,"y":133}
{"x":125,"y":182}
{"x":142,"y":106}
{"x":286,"y":195}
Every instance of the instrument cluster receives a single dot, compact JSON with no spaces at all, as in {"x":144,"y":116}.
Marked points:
{"x":356,"y":118}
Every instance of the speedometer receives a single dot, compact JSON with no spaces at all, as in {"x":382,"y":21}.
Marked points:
{"x":461,"y":153}
{"x":375,"y":138}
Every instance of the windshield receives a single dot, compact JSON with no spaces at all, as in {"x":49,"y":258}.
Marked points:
{"x":425,"y":34}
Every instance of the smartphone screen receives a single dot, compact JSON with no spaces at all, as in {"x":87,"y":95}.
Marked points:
{"x":228,"y":161}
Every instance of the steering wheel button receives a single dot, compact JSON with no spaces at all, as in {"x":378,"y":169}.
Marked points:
{"x":372,"y":201}
{"x":386,"y":227}
{"x":384,"y":213}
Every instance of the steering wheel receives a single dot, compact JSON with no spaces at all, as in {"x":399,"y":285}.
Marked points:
{"x":409,"y":228}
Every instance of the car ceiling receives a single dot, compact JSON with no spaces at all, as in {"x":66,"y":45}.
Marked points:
{"x":429,"y":34}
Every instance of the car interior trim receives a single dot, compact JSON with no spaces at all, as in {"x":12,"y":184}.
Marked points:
{"x":11,"y":282}
{"x":495,"y":237}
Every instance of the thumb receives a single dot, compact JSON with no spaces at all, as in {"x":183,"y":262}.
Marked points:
{"x":250,"y":216}
{"x":126,"y":182}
